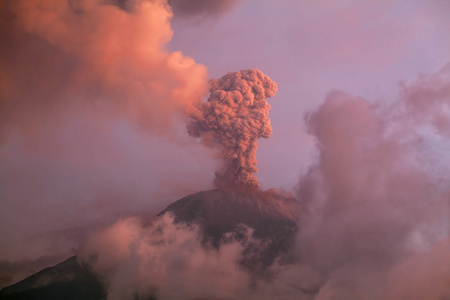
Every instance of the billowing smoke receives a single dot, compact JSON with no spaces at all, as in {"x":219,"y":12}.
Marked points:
{"x":235,"y":115}
{"x":164,"y":260}
{"x":376,"y":203}
{"x":168,"y":261}
{"x":63,"y":58}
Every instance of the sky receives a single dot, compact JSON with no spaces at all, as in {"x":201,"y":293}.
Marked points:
{"x":93,"y":99}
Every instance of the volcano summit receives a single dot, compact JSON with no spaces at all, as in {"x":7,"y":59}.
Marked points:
{"x":261,"y":224}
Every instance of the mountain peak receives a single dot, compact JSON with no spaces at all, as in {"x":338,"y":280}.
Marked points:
{"x":219,"y":215}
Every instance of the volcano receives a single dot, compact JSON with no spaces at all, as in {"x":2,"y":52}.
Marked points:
{"x":265,"y":222}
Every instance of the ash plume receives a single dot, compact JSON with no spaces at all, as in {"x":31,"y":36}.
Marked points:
{"x":235,"y":115}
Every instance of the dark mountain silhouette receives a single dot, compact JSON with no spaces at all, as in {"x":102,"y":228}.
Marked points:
{"x":221,"y":215}
{"x":69,"y":280}
{"x":270,"y":215}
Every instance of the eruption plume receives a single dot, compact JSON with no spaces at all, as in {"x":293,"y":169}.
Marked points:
{"x":234,"y":116}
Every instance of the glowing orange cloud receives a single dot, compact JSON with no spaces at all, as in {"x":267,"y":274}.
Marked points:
{"x":93,"y":54}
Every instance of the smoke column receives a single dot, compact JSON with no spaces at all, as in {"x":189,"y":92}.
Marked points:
{"x":235,"y":115}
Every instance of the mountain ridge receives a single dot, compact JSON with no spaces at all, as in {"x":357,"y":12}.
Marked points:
{"x":218,"y":213}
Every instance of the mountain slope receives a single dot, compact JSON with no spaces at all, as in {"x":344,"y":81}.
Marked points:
{"x":68,"y":280}
{"x":221,"y":215}
{"x":271,"y":217}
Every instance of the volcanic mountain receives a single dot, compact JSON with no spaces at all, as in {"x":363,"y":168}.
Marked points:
{"x":263,"y":221}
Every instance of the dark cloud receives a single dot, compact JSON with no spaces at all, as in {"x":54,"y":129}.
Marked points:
{"x":191,"y":8}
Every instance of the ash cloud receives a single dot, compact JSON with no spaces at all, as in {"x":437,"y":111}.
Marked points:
{"x":426,"y":102}
{"x":63,"y":57}
{"x":234,"y":116}
{"x":165,"y":260}
{"x":373,"y":208}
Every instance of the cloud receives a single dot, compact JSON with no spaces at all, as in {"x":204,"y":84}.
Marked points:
{"x":165,"y":260}
{"x":371,"y":205}
{"x":426,"y":101}
{"x":191,"y":8}
{"x":64,"y":60}
{"x":423,"y":275}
